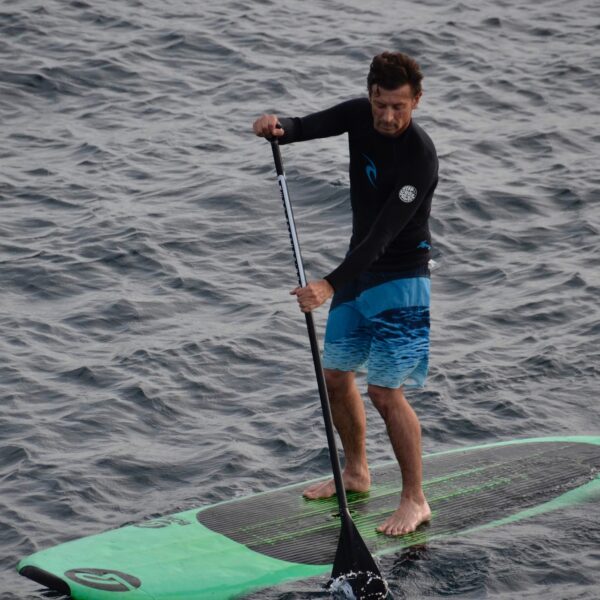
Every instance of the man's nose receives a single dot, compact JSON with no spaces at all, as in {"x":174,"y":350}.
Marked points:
{"x":388,"y":115}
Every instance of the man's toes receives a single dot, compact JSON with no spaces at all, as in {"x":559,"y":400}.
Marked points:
{"x":311,"y":489}
{"x":386,"y":528}
{"x":319,"y":490}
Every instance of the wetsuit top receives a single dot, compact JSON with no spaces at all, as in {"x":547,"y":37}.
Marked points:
{"x":391,"y":185}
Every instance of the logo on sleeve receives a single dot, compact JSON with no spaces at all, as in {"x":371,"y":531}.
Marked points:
{"x":371,"y":171}
{"x":407,"y":193}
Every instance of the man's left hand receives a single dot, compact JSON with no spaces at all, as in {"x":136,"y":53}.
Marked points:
{"x":313,"y":294}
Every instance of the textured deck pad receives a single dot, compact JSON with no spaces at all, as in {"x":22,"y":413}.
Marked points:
{"x":465,"y":489}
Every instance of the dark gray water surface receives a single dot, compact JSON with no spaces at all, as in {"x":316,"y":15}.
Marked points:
{"x":151,"y":359}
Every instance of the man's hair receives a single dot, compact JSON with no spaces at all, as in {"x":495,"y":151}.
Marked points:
{"x":391,"y":70}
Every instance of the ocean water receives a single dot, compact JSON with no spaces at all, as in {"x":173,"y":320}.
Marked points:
{"x":151,"y":358}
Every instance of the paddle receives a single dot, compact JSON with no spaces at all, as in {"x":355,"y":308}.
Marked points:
{"x":353,"y":563}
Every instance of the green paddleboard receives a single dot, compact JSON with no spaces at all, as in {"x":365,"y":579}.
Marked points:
{"x":239,"y":546}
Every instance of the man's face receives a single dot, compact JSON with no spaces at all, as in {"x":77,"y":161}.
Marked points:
{"x":392,"y":109}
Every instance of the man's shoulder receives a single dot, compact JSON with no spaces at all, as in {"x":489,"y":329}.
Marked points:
{"x":422,"y":137}
{"x":357,"y":116}
{"x":359,"y":102}
{"x":355,"y":107}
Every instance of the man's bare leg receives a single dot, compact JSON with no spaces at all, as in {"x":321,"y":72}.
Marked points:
{"x":404,"y":430}
{"x":348,"y":412}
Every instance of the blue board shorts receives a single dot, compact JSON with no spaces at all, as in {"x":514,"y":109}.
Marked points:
{"x":380,"y":322}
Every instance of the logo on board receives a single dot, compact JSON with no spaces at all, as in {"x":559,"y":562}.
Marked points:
{"x":407,"y":193}
{"x":104,"y":579}
{"x":370,"y":171}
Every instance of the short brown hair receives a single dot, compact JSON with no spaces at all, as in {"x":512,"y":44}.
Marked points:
{"x":391,"y":70}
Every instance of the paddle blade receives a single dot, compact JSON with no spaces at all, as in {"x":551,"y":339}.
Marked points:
{"x":355,"y":573}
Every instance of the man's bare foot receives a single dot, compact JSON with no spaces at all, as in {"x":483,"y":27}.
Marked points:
{"x":407,"y":517}
{"x":326,"y":489}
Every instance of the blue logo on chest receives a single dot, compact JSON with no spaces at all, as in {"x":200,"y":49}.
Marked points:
{"x":371,"y":171}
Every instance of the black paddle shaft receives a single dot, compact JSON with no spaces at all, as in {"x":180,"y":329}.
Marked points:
{"x":352,"y":556}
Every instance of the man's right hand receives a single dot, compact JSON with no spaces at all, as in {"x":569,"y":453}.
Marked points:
{"x":266,"y":126}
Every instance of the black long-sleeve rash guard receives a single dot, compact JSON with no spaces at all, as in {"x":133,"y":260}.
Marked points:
{"x":392,"y":181}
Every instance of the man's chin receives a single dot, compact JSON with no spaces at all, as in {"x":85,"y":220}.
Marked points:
{"x":388,"y":131}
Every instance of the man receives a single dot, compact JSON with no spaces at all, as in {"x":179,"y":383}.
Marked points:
{"x":379,"y":314}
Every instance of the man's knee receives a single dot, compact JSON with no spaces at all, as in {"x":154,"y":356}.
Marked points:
{"x":385,"y":399}
{"x":338,"y":382}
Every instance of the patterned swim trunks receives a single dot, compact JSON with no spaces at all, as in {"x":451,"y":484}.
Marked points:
{"x":381,"y":321}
